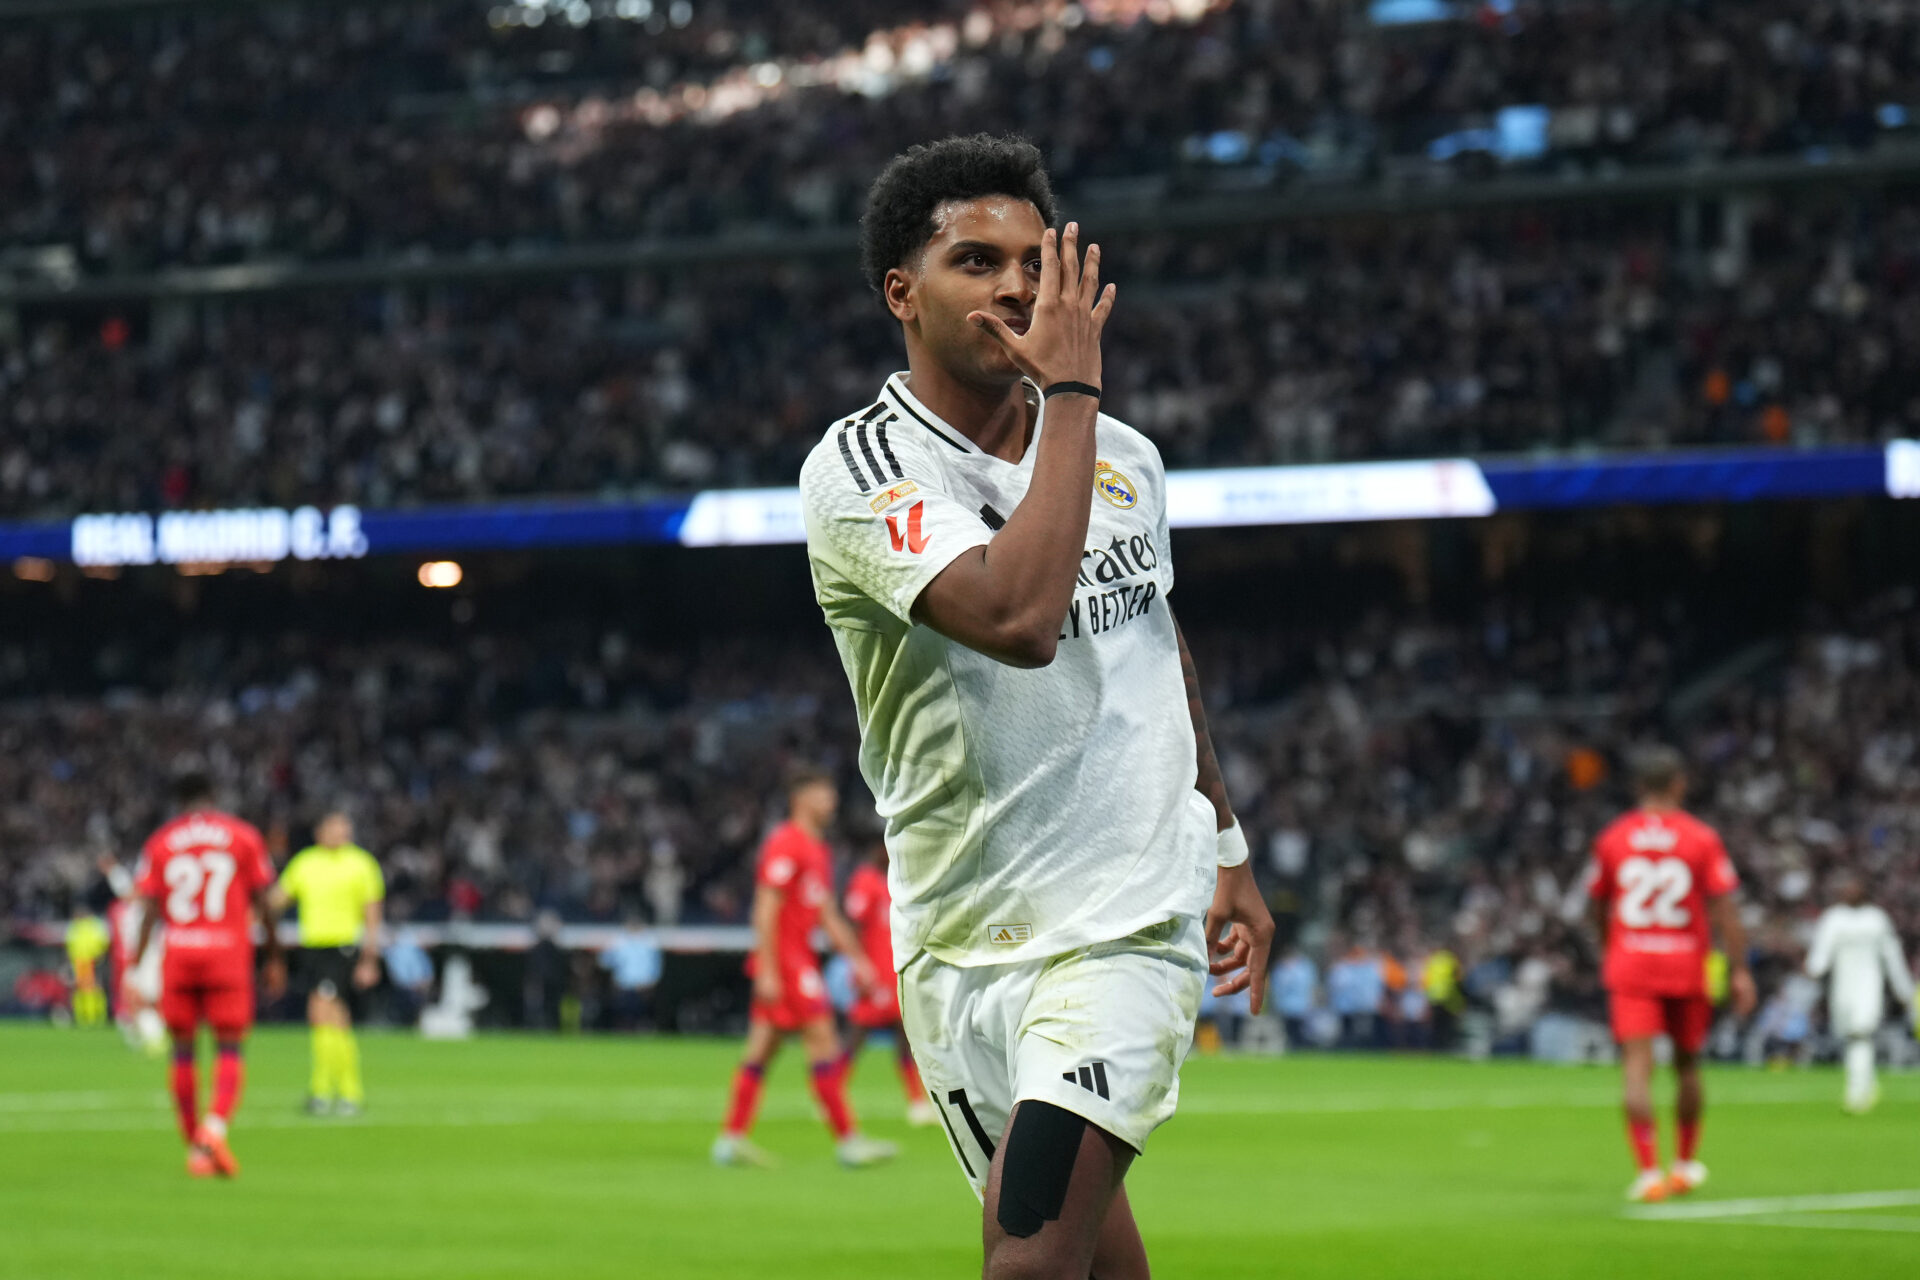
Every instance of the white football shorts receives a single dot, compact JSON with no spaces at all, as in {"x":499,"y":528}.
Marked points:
{"x":1100,"y":1031}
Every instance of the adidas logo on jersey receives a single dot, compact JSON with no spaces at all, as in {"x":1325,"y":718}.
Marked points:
{"x":1092,"y":1078}
{"x":1009,"y":935}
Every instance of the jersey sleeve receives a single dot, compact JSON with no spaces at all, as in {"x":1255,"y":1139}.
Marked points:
{"x":1721,"y":879}
{"x":1894,"y":961}
{"x":780,"y":863}
{"x":292,"y":879}
{"x":259,"y":865}
{"x":1162,"y":525}
{"x":375,"y":882}
{"x":885,"y":540}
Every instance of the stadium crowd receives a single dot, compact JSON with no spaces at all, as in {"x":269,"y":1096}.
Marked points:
{"x":322,"y":131}
{"x":1407,"y":785}
{"x":1463,"y":334}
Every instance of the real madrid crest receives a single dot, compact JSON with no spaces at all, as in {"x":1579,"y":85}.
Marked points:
{"x":1110,"y":484}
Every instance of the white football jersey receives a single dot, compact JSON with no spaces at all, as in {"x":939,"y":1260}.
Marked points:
{"x":1858,"y":946}
{"x":1028,"y":812}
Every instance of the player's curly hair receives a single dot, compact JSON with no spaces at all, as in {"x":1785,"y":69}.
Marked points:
{"x":902,"y":200}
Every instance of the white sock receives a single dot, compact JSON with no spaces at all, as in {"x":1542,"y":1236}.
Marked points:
{"x":152,"y":1030}
{"x":1859,"y":1071}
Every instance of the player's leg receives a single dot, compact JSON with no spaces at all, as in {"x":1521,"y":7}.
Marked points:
{"x":732,"y":1146}
{"x":323,"y":1078}
{"x":830,"y":1090}
{"x":1051,"y":1184}
{"x":850,"y":1051}
{"x":1688,"y":1022}
{"x":1863,"y":1088}
{"x":1119,"y":1254}
{"x":1093,"y":1078}
{"x":347,"y":1048}
{"x":180,"y":1006}
{"x":230,"y":1011}
{"x":1636,"y":1021}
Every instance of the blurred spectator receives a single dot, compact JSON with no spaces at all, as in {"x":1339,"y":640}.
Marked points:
{"x":548,"y":978}
{"x":1295,"y":987}
{"x":410,"y":975}
{"x":633,"y":963}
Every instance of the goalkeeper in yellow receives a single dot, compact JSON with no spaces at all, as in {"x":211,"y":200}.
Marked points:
{"x":339,"y":891}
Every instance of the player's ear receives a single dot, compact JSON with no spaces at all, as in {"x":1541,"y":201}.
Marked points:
{"x":897,"y":289}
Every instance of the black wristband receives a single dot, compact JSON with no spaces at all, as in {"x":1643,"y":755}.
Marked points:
{"x":1071,"y":389}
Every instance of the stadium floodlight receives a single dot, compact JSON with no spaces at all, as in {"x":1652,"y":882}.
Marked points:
{"x":441,"y":573}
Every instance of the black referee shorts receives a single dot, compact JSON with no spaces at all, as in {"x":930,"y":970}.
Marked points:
{"x":327,"y":971}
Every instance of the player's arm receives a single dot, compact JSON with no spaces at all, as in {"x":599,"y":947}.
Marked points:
{"x":1598,"y":916}
{"x":1723,"y":910}
{"x":1008,"y":598}
{"x":767,"y":901}
{"x":149,"y":919}
{"x":847,"y":943}
{"x":276,"y":957}
{"x":366,"y":972}
{"x":1894,"y":961}
{"x":1820,"y":955}
{"x":1238,"y":910}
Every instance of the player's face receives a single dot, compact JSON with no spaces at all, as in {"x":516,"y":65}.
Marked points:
{"x":984,"y":256}
{"x":335,"y":830}
{"x":825,"y":798}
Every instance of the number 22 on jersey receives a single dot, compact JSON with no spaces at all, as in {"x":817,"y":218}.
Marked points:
{"x":1653,"y":893}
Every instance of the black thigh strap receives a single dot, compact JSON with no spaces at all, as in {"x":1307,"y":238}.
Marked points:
{"x":1042,"y":1145}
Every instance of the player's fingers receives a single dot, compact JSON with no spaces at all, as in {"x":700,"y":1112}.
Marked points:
{"x":1232,"y":986}
{"x":1090,"y":277}
{"x":1069,"y":279}
{"x":994,"y":325}
{"x":1104,"y":308}
{"x":1257,"y":966}
{"x":1049,"y":264}
{"x":1233,"y":956}
{"x":1211,"y":926}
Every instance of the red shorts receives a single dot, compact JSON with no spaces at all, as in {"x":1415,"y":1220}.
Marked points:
{"x":803,"y":998}
{"x":214,"y":987}
{"x":1685,"y":1018}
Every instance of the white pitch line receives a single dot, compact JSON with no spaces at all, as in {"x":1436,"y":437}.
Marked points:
{"x":1819,"y":1222}
{"x":1711,"y":1210}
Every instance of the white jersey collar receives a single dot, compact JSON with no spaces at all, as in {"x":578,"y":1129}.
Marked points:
{"x":896,"y":394}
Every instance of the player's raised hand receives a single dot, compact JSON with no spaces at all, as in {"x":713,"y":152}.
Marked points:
{"x":1070,"y":309}
{"x":1239,"y":935}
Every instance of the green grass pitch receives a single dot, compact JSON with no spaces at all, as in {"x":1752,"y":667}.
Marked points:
{"x":515,"y":1156}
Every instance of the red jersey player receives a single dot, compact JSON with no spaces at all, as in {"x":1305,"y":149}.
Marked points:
{"x":869,"y":907}
{"x":205,"y":873}
{"x":793,"y":893}
{"x":1659,"y":876}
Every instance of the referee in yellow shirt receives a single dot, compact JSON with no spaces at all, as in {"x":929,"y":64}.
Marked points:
{"x":338,"y":889}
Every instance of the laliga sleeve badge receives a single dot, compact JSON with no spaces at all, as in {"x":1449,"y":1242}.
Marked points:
{"x":1110,"y":484}
{"x":893,"y":497}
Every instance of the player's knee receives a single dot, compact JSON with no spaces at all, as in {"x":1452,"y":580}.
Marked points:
{"x":1042,"y":1145}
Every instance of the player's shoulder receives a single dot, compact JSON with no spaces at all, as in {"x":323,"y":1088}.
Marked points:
{"x":867,"y":452}
{"x":1697,"y":829}
{"x":1126,"y":440}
